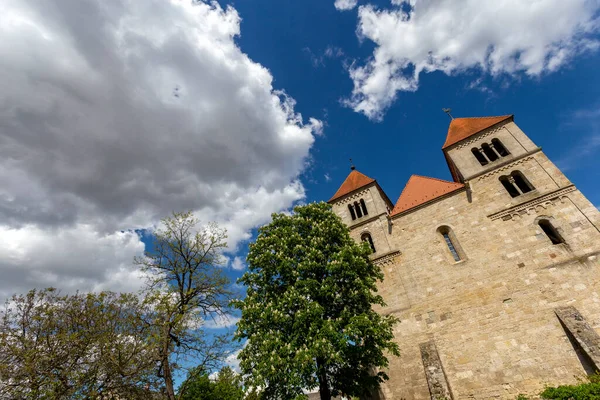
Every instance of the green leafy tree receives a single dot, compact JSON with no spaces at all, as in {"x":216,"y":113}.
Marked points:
{"x":186,"y":286}
{"x":308,"y":316}
{"x":226,"y":386}
{"x":198,"y":386}
{"x":77,"y":346}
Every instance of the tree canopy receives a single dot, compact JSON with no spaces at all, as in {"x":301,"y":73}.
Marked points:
{"x":308,"y":316}
{"x":77,"y":346}
{"x":186,"y":286}
{"x":107,"y":345}
{"x":226,"y":386}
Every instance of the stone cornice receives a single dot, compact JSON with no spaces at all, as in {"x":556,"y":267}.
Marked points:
{"x":532,"y":205}
{"x":387,"y":258}
{"x":350,"y":197}
{"x":366,"y":221}
{"x":478,"y":136}
{"x":354,"y":195}
{"x":501,"y":166}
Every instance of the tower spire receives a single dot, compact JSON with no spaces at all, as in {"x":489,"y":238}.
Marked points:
{"x":352,"y":167}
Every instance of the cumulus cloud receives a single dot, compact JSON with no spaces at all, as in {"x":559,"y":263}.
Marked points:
{"x":114,"y":114}
{"x":76,"y":258}
{"x":499,"y":37}
{"x":345,"y":4}
{"x":233,"y":361}
{"x":221,"y":321}
{"x":238,"y":264}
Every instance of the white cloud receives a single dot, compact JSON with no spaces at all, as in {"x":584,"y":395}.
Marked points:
{"x":74,"y":258}
{"x":221,"y":321}
{"x":345,"y":4}
{"x":114,"y":114}
{"x":238,"y":264}
{"x":233,"y":361}
{"x":318,"y":60}
{"x":316,"y":125}
{"x":499,"y":37}
{"x":333,"y":52}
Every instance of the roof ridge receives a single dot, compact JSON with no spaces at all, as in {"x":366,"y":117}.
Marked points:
{"x":431,"y":177}
{"x":464,"y":127}
{"x":427,"y":190}
{"x":354,"y":181}
{"x":489,"y":116}
{"x":405,"y":186}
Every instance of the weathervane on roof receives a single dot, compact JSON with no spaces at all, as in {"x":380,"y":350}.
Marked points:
{"x":448,"y":111}
{"x":352,"y":167}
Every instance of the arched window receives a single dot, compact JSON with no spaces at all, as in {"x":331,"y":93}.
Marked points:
{"x":550,"y":231}
{"x":500,"y":147}
{"x":516,"y":184}
{"x":357,"y":209}
{"x":509,"y":186}
{"x":366,"y":237}
{"x":489,"y":152}
{"x":451,"y":242}
{"x":522,"y":183}
{"x":351,"y":209}
{"x":480,"y":157}
{"x":364,"y":207}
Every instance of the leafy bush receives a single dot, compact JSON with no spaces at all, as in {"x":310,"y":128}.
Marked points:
{"x":584,"y":391}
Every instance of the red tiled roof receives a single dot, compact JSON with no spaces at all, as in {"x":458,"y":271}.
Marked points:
{"x":421,"y":189}
{"x":355,"y":180}
{"x":462,"y":128}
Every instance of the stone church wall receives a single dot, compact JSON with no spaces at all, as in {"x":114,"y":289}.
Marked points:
{"x":491,"y":315}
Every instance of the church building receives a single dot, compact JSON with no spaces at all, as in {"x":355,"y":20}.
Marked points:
{"x":494,"y":276}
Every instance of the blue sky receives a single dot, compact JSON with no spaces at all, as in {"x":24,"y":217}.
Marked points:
{"x":308,"y":47}
{"x":559,"y":110}
{"x":114,"y":114}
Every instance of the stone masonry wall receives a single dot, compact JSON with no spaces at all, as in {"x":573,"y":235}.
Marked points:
{"x":491,"y":315}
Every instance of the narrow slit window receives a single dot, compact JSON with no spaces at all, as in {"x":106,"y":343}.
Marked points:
{"x":489,"y":152}
{"x":363,"y":206}
{"x":522,"y":183}
{"x":500,"y":147}
{"x":351,"y":209}
{"x":480,"y":157}
{"x":550,"y":231}
{"x":357,"y":210}
{"x":510,"y":188}
{"x":451,"y":243}
{"x":365,"y":237}
{"x":451,"y":246}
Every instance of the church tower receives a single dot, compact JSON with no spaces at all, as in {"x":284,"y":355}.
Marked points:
{"x":512,"y":177}
{"x":364,"y":207}
{"x":495,"y":275}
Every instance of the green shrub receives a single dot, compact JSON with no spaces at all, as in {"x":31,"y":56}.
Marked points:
{"x":584,"y":391}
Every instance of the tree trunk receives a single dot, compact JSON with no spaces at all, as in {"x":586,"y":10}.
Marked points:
{"x":323,"y":383}
{"x":168,"y":379}
{"x":166,"y":368}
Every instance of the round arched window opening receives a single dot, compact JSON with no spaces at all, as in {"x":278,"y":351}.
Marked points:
{"x":551,"y":231}
{"x":366,"y":237}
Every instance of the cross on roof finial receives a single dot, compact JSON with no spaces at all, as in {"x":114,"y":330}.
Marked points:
{"x":352,"y":167}
{"x":447,"y":111}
